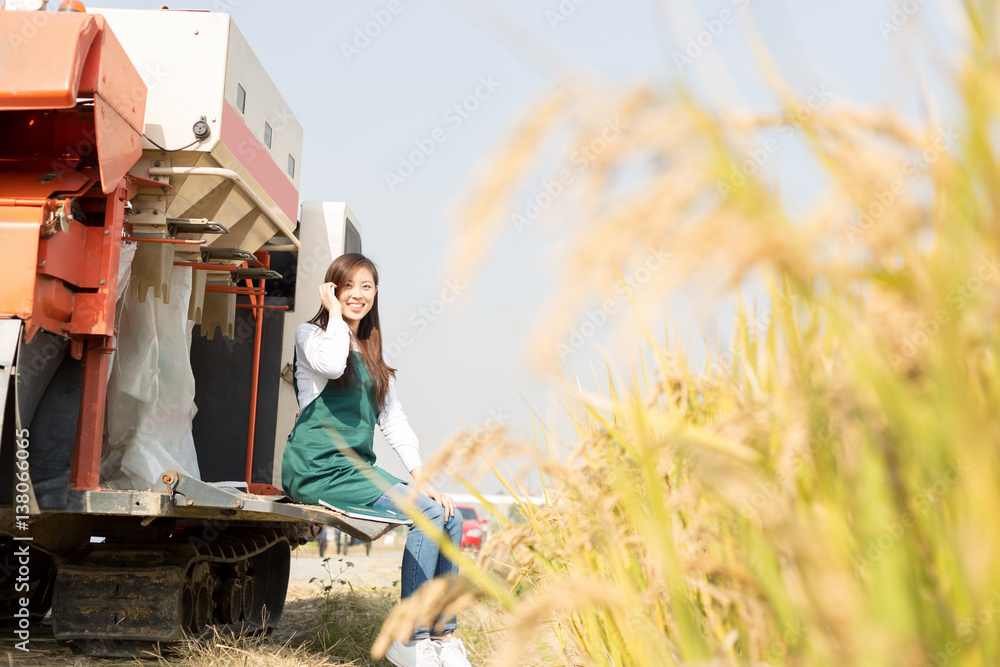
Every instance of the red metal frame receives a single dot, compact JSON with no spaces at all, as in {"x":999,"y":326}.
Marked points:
{"x":264,"y":489}
{"x":225,"y":289}
{"x":255,"y":293}
{"x":247,"y":305}
{"x":73,"y":56}
{"x":265,"y":261}
{"x":63,"y":278}
{"x":97,"y":311}
{"x":86,"y":469}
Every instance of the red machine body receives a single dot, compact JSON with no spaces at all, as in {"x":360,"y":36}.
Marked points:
{"x":74,"y":129}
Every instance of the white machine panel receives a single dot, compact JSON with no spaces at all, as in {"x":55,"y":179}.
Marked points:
{"x":195,"y":63}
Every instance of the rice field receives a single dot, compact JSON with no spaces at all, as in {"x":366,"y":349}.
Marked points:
{"x":822,"y":487}
{"x":819,"y":488}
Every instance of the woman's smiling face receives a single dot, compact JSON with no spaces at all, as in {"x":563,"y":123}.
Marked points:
{"x":356,"y":297}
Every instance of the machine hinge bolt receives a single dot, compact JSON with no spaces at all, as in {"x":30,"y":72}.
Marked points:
{"x":107,"y":231}
{"x":102,"y":281}
{"x":189,"y":501}
{"x":41,"y":264}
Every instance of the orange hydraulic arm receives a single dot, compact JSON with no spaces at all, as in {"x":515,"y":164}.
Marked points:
{"x":71,"y":117}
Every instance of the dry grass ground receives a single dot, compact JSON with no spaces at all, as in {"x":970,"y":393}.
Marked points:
{"x":325,"y":623}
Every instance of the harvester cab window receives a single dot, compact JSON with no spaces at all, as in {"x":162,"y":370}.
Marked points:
{"x":291,"y":166}
{"x":267,"y":135}
{"x":352,"y":239}
{"x":241,"y":99}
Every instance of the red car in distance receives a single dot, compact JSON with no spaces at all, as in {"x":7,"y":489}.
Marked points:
{"x":472,"y":528}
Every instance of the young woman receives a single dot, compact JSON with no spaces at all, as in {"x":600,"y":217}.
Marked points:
{"x":345,"y":388}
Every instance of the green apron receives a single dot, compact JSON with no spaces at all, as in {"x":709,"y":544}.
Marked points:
{"x":329,"y":454}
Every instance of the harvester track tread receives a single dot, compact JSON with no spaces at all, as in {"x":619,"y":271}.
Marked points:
{"x":120,"y":599}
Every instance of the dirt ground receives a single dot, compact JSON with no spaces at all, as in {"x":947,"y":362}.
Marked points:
{"x":380,"y":568}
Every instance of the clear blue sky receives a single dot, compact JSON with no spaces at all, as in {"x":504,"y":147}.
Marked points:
{"x":361,"y":111}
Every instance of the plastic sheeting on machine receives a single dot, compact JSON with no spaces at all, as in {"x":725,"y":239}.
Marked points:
{"x":151,"y":391}
{"x":126,"y":256}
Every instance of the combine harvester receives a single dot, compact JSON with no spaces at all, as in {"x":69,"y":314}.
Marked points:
{"x":151,"y":250}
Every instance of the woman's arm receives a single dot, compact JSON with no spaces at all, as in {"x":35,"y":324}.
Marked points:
{"x":398,"y":433}
{"x":324,"y":352}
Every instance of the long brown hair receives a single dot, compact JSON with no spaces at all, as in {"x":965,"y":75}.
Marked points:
{"x":369,"y":335}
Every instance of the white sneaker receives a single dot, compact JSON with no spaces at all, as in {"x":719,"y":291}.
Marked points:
{"x":452,"y":652}
{"x":421,"y":653}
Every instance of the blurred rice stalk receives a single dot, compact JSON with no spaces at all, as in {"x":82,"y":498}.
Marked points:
{"x":824,"y":491}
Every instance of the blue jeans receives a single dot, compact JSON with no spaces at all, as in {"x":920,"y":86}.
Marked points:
{"x":422,"y":558}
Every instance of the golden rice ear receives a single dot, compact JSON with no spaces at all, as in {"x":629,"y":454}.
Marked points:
{"x":438,"y":598}
{"x":777,"y":507}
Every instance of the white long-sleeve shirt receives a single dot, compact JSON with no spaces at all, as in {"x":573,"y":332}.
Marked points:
{"x":322,"y":356}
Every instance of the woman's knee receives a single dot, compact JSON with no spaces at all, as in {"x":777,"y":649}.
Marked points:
{"x":453,"y":526}
{"x":431,"y":510}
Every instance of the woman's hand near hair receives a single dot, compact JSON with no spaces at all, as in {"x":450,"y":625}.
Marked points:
{"x":328,"y":296}
{"x":440,"y":497}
